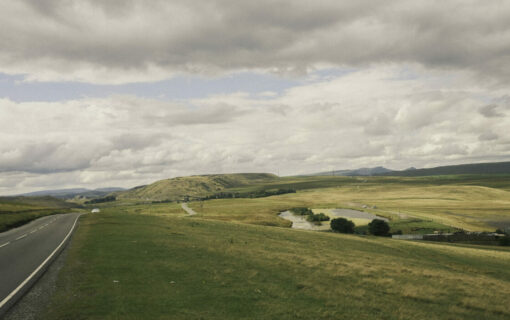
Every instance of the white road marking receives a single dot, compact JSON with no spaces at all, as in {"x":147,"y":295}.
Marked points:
{"x":13,"y":293}
{"x":21,"y":237}
{"x":3,"y":245}
{"x":33,"y":231}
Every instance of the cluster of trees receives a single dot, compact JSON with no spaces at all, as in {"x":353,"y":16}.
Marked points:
{"x":311,"y":217}
{"x":101,"y":200}
{"x":377,"y":227}
{"x":253,"y":194}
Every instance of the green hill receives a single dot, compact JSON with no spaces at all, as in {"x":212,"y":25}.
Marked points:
{"x":194,"y":186}
{"x":15,"y":211}
{"x":472,"y":168}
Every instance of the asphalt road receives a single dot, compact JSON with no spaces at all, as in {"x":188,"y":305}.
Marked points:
{"x":26,"y":251}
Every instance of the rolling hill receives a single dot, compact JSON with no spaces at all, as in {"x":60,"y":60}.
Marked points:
{"x":194,"y":186}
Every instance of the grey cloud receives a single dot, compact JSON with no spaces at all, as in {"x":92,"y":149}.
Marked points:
{"x":379,"y":125}
{"x":42,"y":158}
{"x":86,"y":40}
{"x":491,"y":111}
{"x":137,"y":141}
{"x":488,"y":136}
{"x":220,"y":113}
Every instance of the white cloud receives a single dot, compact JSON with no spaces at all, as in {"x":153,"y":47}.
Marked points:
{"x":364,"y":118}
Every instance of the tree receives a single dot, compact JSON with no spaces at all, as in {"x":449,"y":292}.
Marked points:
{"x":378,"y":227}
{"x":342,"y":225}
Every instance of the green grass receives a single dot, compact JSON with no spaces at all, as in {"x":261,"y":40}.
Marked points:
{"x":16,"y":211}
{"x":173,"y":267}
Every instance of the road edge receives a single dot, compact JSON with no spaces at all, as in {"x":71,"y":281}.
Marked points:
{"x":27,"y":284}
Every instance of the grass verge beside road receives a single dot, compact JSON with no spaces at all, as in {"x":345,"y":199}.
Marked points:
{"x":124,"y":265}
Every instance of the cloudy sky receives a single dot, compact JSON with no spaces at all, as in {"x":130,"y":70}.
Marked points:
{"x":126,"y":92}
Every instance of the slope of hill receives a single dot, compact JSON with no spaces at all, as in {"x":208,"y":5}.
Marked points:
{"x":15,"y":211}
{"x":355,"y":172}
{"x":194,"y":186}
{"x":472,"y":168}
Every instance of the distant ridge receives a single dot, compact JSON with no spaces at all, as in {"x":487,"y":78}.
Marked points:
{"x":355,"y":172}
{"x":72,"y":192}
{"x":471,"y":168}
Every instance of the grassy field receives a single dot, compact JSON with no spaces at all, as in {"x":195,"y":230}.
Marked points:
{"x":124,"y":264}
{"x":411,"y":208}
{"x":413,"y":204}
{"x":15,"y":211}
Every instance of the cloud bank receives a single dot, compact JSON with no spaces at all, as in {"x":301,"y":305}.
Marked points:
{"x":131,"y":41}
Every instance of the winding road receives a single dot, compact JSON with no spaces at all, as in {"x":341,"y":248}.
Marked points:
{"x":190,"y":211}
{"x":27,"y":251}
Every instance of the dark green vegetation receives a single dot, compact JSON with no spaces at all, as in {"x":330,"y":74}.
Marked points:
{"x":16,"y":211}
{"x":317,"y":217}
{"x":342,"y":225}
{"x":140,"y":266}
{"x":250,"y":194}
{"x":302,"y":211}
{"x":378,"y":227}
{"x":472,"y":168}
{"x":101,"y":200}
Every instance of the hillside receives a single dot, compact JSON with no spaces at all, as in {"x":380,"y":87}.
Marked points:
{"x":15,"y":211}
{"x":194,"y":186}
{"x":472,"y":168}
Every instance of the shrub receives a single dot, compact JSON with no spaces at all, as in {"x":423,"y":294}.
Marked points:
{"x":342,"y":225}
{"x":317,"y":217}
{"x":302,"y":211}
{"x":504,"y":241}
{"x":378,"y":227}
{"x":500,"y":231}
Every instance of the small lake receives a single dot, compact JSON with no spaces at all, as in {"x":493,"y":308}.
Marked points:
{"x":298,"y":222}
{"x":358,"y":217}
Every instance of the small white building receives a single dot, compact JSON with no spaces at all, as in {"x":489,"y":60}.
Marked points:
{"x":95,"y":210}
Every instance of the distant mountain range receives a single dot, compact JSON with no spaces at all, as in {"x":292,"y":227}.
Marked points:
{"x":472,"y":168}
{"x":73,"y":192}
{"x":355,"y":172}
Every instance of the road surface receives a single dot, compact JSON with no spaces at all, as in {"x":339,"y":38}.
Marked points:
{"x":190,"y":211}
{"x":25,"y":253}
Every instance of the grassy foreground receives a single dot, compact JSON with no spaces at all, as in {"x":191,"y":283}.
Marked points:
{"x":125,"y":265}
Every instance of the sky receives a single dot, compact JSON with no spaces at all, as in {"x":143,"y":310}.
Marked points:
{"x":124,"y":93}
